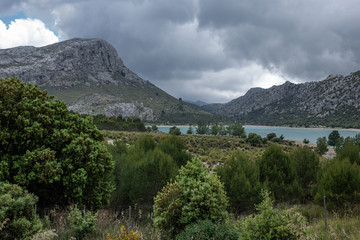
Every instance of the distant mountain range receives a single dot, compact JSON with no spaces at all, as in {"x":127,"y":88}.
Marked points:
{"x":196,"y":103}
{"x":333,"y":102}
{"x":91,"y":78}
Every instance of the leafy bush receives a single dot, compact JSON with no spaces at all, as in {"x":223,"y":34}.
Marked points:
{"x":82,"y":225}
{"x":196,"y":195}
{"x":271,"y":223}
{"x":142,"y":170}
{"x":204,"y":230}
{"x":333,"y":138}
{"x":254,"y":139}
{"x":241,"y":178}
{"x":350,"y":151}
{"x":321,"y":146}
{"x":175,"y":147}
{"x":17,"y":218}
{"x":175,"y":131}
{"x":278,"y":174}
{"x":307,"y":165}
{"x":339,"y":182}
{"x":44,"y":147}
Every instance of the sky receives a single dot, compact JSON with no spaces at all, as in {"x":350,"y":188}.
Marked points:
{"x":207,"y":50}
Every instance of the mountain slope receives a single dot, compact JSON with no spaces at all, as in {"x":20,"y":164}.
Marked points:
{"x":333,"y":102}
{"x":91,"y":78}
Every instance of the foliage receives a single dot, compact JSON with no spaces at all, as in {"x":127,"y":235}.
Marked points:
{"x":154,"y":128}
{"x":144,"y":168}
{"x":190,"y":130}
{"x":321,"y":146}
{"x":306,"y":141}
{"x":17,"y":218}
{"x":202,"y":128}
{"x":274,"y":224}
{"x":307,"y":165}
{"x":339,"y":182}
{"x":44,"y":147}
{"x":119,"y":123}
{"x":236,"y":130}
{"x":254,"y":139}
{"x":204,"y":230}
{"x":124,"y":235}
{"x":196,"y":195}
{"x":214,"y":129}
{"x":270,"y":136}
{"x":241,"y":178}
{"x":82,"y":223}
{"x":175,"y":147}
{"x":278,"y":174}
{"x":333,"y":138}
{"x":175,"y":131}
{"x":350,"y":151}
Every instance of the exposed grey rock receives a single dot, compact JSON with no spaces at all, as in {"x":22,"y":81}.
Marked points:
{"x":312,"y":99}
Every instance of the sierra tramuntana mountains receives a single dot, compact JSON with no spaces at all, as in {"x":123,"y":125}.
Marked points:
{"x":333,"y":102}
{"x":91,"y":78}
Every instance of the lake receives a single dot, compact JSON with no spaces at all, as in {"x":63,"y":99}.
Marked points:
{"x":289,"y":133}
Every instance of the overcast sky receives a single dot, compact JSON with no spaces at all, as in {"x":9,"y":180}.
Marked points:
{"x":209,"y":50}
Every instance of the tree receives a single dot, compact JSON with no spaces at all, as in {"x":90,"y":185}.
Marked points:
{"x":254,"y":139}
{"x":175,"y":131}
{"x":307,"y":165}
{"x":278,"y":174}
{"x":50,"y":151}
{"x":237,"y":130}
{"x":339,"y":182}
{"x":321,"y":146}
{"x":241,"y":178}
{"x":214,"y":129}
{"x":190,"y":130}
{"x":202,"y":127}
{"x":270,"y":136}
{"x":175,"y":147}
{"x":196,"y":195}
{"x":333,"y":138}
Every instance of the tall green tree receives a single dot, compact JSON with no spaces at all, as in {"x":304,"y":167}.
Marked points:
{"x":333,"y":138}
{"x":278,"y":174}
{"x":50,"y":151}
{"x":202,"y":127}
{"x":321,"y":146}
{"x":241,"y":178}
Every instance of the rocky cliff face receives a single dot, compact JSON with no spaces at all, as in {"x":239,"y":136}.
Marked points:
{"x":91,"y":78}
{"x":333,"y":101}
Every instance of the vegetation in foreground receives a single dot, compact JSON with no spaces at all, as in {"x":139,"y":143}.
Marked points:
{"x":201,"y":201}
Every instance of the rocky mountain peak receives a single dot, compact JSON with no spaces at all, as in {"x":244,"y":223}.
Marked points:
{"x":67,"y":63}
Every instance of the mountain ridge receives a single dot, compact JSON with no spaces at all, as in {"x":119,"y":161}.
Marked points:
{"x":332,"y":102}
{"x":92,"y":79}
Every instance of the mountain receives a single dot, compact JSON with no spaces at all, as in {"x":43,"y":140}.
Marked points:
{"x":91,"y":78}
{"x":196,"y":103}
{"x":333,"y":102}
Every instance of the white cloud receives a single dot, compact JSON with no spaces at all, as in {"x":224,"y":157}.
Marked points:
{"x":25,"y":32}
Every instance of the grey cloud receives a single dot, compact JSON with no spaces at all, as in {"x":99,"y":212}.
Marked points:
{"x":305,"y":39}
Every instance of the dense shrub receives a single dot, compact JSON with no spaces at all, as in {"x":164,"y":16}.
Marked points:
{"x":82,"y":223}
{"x":278,"y":175}
{"x":175,"y":131}
{"x":254,"y":139}
{"x":307,"y":165}
{"x":333,"y":138}
{"x":205,"y":230}
{"x":271,"y":223}
{"x":339,"y":182}
{"x":143,"y":169}
{"x":196,"y":195}
{"x":176,"y":148}
{"x":119,"y":123}
{"x":241,"y":178}
{"x":321,"y":146}
{"x":17,"y":218}
{"x":44,"y":146}
{"x":350,"y":151}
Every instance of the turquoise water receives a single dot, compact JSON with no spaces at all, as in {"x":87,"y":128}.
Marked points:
{"x":289,"y":133}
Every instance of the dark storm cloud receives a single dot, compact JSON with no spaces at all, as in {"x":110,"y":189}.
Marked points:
{"x":215,"y":50}
{"x":304,"y":39}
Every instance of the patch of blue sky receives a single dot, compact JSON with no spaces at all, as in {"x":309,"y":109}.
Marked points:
{"x":8,"y":19}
